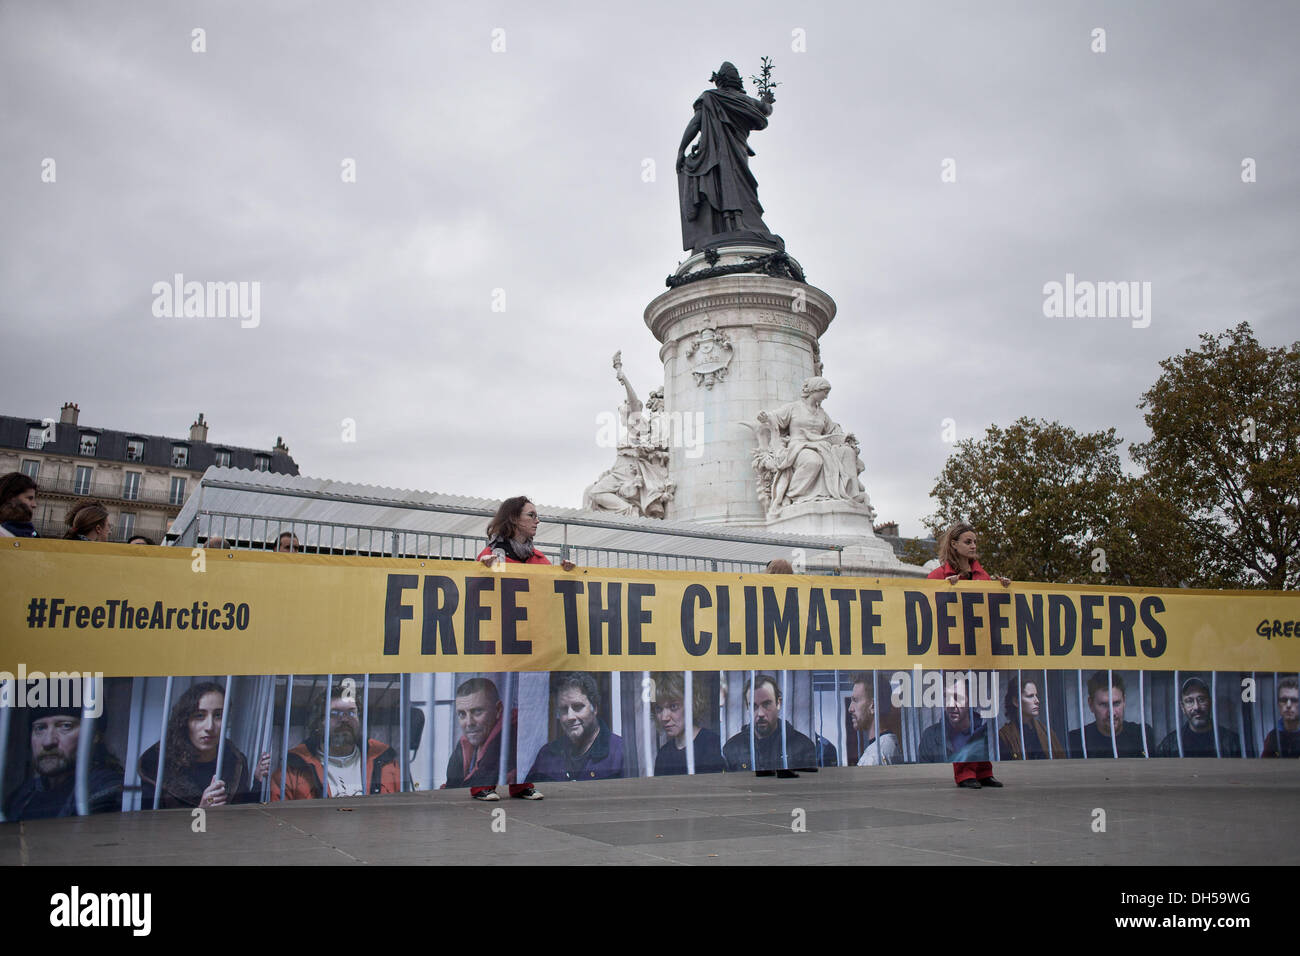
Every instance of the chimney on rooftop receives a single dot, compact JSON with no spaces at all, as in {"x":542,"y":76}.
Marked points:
{"x":68,"y":415}
{"x":280,"y":447}
{"x":199,"y":430}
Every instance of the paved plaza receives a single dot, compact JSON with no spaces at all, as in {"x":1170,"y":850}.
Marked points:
{"x":1164,"y":812}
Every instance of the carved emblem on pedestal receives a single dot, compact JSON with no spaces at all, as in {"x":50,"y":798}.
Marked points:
{"x":710,"y":354}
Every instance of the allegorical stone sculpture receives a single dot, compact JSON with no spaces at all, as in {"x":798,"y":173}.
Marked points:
{"x":638,"y":483}
{"x":719,"y":195}
{"x":804,"y":456}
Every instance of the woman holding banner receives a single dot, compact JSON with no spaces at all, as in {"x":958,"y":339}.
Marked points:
{"x":958,"y":561}
{"x":510,"y":536}
{"x":510,"y":541}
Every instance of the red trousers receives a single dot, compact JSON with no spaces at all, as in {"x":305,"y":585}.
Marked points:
{"x":974,"y":770}
{"x":515,"y":788}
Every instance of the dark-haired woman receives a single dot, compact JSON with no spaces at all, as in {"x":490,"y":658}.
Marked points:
{"x":510,"y":535}
{"x":17,"y":506}
{"x":510,"y":539}
{"x":959,"y":561}
{"x":1022,"y":703}
{"x":88,"y":521}
{"x":190,"y":770}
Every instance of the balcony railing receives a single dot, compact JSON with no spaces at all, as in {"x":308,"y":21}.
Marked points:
{"x":104,"y":490}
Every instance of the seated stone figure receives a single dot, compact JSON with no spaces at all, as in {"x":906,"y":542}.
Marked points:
{"x":804,"y":456}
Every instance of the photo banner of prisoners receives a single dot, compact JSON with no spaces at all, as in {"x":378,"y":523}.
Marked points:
{"x":88,"y":745}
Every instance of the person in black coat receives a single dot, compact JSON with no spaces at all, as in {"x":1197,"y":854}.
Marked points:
{"x":670,"y":711}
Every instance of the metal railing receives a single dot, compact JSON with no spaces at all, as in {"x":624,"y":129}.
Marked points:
{"x":358,"y":538}
{"x":327,"y":537}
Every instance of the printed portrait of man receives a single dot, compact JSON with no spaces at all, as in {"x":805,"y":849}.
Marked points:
{"x":1196,"y":730}
{"x":1109,"y":734}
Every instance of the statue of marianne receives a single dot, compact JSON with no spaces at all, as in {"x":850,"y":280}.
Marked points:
{"x":719,"y":195}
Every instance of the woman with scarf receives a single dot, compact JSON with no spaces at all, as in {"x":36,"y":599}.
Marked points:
{"x":510,"y":540}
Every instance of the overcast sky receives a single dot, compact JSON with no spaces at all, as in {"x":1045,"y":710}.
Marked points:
{"x":522,"y":170}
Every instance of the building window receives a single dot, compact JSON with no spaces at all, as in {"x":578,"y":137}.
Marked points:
{"x":223,"y":458}
{"x":261,"y":463}
{"x":135,"y":449}
{"x":126,"y":524}
{"x":131,"y":486}
{"x":89,"y":443}
{"x":82,"y":485}
{"x":180,"y":456}
{"x":31,"y":468}
{"x":35,"y":437}
{"x":177,"y":496}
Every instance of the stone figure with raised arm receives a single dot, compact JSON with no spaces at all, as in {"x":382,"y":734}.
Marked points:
{"x":804,"y":456}
{"x":719,"y":195}
{"x":638,"y":483}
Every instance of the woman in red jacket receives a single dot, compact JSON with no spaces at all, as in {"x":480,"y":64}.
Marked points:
{"x":510,"y":539}
{"x":958,"y":562}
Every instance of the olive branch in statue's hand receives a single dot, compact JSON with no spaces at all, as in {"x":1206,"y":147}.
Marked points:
{"x":764,"y":82}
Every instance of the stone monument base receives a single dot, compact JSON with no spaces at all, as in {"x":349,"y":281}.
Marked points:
{"x":824,"y":519}
{"x":864,"y":554}
{"x":872,"y":558}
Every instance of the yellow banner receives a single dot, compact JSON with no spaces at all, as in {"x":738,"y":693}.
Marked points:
{"x":140,"y":611}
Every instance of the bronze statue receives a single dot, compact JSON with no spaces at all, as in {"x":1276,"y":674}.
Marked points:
{"x":719,"y":195}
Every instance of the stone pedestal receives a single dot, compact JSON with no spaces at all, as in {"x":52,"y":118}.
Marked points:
{"x":825,"y":519}
{"x":732,"y":346}
{"x":771,"y":326}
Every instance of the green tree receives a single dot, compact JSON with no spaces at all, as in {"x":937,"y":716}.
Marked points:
{"x":1041,"y":495}
{"x":1225,"y":453}
{"x":916,"y":551}
{"x":1148,"y":545}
